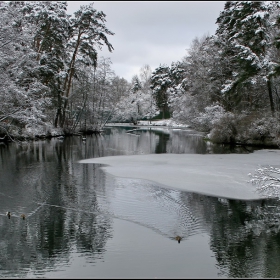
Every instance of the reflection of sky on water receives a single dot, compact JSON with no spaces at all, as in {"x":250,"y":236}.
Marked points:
{"x":84,"y":223}
{"x":138,"y":252}
{"x":157,"y":208}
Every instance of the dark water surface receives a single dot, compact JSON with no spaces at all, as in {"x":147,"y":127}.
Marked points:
{"x":83,"y":223}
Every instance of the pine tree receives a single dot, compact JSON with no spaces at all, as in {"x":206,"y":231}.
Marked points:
{"x":136,"y":84}
{"x":246,"y":26}
{"x":23,"y":98}
{"x":50,"y":37}
{"x":160,"y":82}
{"x":87,"y":33}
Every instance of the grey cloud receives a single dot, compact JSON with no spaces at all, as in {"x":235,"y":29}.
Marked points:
{"x":153,"y":32}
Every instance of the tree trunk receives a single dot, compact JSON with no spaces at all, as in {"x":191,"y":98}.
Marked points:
{"x":68,"y":80}
{"x":57,"y":117}
{"x":58,"y":111}
{"x":270,"y":96}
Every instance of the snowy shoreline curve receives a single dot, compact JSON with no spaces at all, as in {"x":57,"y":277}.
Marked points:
{"x":219,"y":175}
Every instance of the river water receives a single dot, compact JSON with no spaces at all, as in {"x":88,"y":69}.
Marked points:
{"x":83,"y":223}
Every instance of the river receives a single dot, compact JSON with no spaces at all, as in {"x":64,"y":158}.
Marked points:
{"x":84,"y":223}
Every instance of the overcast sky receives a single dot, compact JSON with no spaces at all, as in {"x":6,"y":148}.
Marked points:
{"x":152,"y":32}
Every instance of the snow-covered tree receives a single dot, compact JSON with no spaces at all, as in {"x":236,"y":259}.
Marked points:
{"x":43,"y":51}
{"x":246,"y":27}
{"x":196,"y":81}
{"x":23,"y":97}
{"x":119,"y":86}
{"x":51,"y":32}
{"x":136,"y":84}
{"x":160,"y":82}
{"x":138,"y":102}
{"x":104,"y":96}
{"x":145,"y":76}
{"x":135,"y":106}
{"x":93,"y":95}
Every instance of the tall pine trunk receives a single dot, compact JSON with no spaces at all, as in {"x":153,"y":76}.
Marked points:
{"x":68,"y":80}
{"x":269,"y":87}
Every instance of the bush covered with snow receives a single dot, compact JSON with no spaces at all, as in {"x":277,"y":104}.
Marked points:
{"x":209,"y":118}
{"x":267,"y":180}
{"x":224,"y":129}
{"x":34,"y":130}
{"x":265,"y":130}
{"x":244,"y":128}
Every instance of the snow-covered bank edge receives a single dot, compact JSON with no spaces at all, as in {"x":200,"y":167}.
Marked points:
{"x":211,"y":137}
{"x":40,"y":132}
{"x":37,"y":132}
{"x":161,"y":123}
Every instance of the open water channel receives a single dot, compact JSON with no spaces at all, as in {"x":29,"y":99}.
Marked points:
{"x":84,"y":223}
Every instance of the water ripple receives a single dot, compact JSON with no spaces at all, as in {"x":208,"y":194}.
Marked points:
{"x":152,"y":206}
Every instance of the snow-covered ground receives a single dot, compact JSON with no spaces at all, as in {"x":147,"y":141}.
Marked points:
{"x":166,"y":123}
{"x":219,"y":175}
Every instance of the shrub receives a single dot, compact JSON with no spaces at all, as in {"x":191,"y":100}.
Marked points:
{"x":224,"y":129}
{"x":264,"y":128}
{"x":207,"y":120}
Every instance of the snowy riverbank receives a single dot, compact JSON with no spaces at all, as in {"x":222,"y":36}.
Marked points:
{"x":165,"y":123}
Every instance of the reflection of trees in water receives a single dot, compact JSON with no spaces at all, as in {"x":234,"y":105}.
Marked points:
{"x":116,"y":141}
{"x":154,"y":140}
{"x":227,"y":148}
{"x":178,"y":141}
{"x":59,"y":197}
{"x":147,"y":204}
{"x":244,"y":234}
{"x":137,"y":142}
{"x":184,"y":142}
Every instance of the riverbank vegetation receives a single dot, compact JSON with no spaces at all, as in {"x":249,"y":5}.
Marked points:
{"x":228,"y":84}
{"x":54,"y":83}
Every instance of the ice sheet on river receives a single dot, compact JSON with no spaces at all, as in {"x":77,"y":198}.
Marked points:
{"x":220,"y":175}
